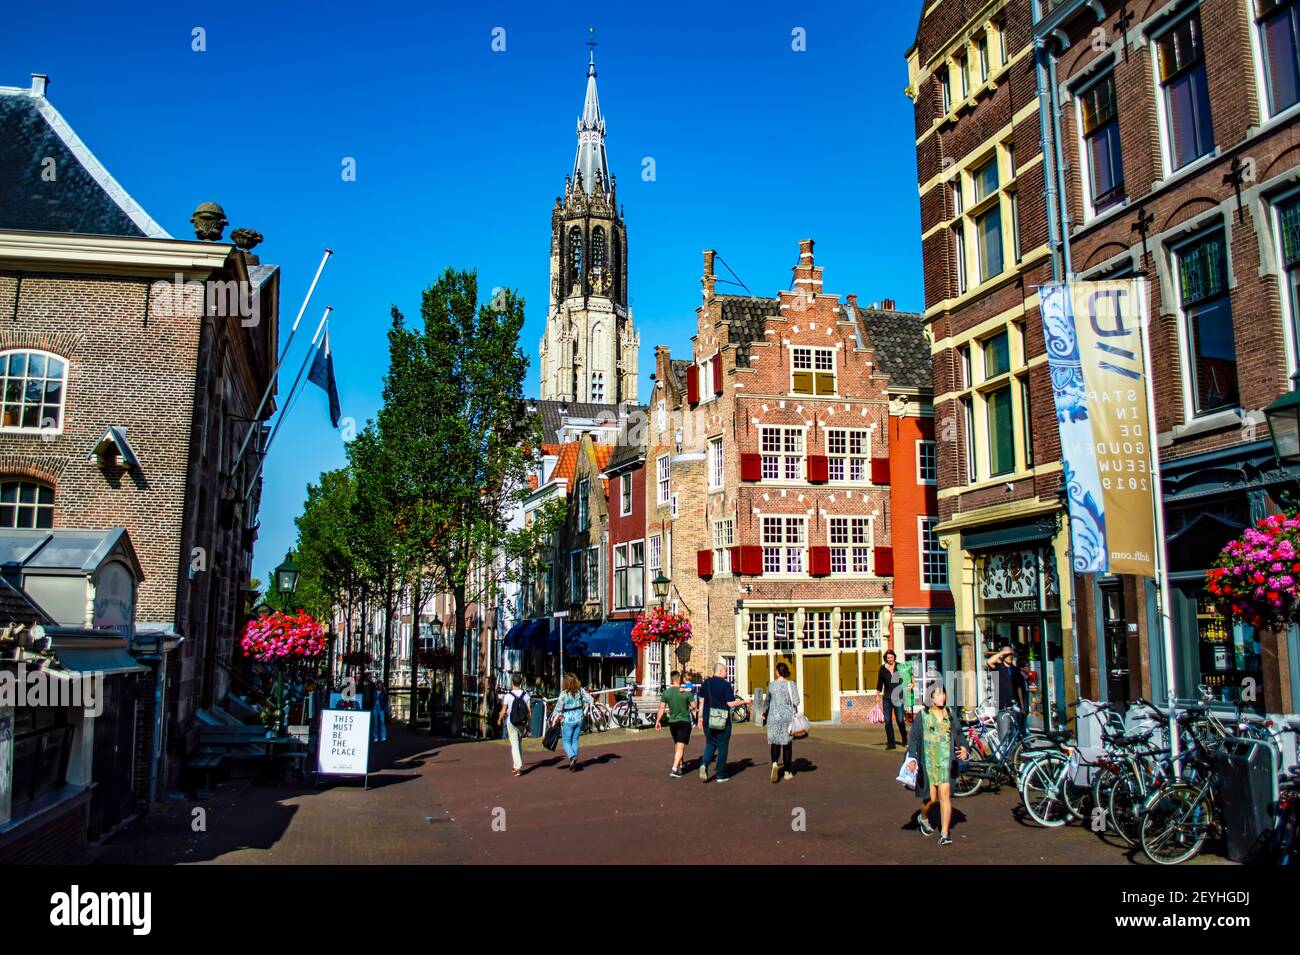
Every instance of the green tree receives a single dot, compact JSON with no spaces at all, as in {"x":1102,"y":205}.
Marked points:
{"x":327,"y":570}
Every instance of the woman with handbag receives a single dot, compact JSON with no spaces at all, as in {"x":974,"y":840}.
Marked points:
{"x":784,"y":721}
{"x":570,"y":709}
{"x":933,"y":749}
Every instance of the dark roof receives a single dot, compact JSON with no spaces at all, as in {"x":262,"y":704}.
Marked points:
{"x":625,"y":455}
{"x":902,"y":351}
{"x":82,"y":197}
{"x":553,"y":420}
{"x":17,"y":607}
{"x":680,"y":367}
{"x":747,"y":319}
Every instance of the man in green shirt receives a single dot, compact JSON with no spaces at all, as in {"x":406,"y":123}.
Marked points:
{"x":680,"y":707}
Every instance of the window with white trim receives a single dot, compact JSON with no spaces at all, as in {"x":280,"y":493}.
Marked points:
{"x":724,"y":538}
{"x":759,"y":631}
{"x":850,"y":544}
{"x":783,"y":632}
{"x":656,"y":555}
{"x":26,"y":504}
{"x":629,"y":575}
{"x":1277,"y":23}
{"x":812,"y":370}
{"x":577,"y":583}
{"x":663,"y":472}
{"x":784,"y":543}
{"x":1184,"y":101}
{"x":583,"y":495}
{"x":927,"y":462}
{"x":847,"y":454}
{"x":593,"y":574}
{"x":1209,"y":339}
{"x":706,"y":379}
{"x":1099,"y":128}
{"x":934,"y":562}
{"x":819,"y":630}
{"x":782,"y":453}
{"x":625,"y":494}
{"x":729,"y":660}
{"x":860,"y":629}
{"x":32,"y":386}
{"x":716,"y":462}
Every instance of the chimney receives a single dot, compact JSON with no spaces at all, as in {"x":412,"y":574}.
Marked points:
{"x":39,"y":82}
{"x":852,"y":299}
{"x":887,"y":304}
{"x":707,"y":282}
{"x":807,"y":276}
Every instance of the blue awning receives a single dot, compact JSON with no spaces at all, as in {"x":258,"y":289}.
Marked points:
{"x":577,"y":636}
{"x":108,"y":661}
{"x":527,"y":635}
{"x":613,"y":638}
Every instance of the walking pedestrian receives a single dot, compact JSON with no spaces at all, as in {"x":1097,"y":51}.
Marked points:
{"x":515,"y":713}
{"x":781,"y":705}
{"x":379,"y":713}
{"x":933,"y":747}
{"x":680,"y":707}
{"x":889,"y":684}
{"x":569,"y":711}
{"x":717,"y":700}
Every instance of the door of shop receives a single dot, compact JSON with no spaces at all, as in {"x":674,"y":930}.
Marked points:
{"x":817,"y":687}
{"x":112,"y":799}
{"x":923,"y":648}
{"x":759,"y":672}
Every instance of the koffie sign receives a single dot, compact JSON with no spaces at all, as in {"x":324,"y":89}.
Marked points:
{"x":1095,"y":336}
{"x":344,"y":743}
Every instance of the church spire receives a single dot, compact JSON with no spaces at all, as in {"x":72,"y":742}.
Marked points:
{"x":590,"y":159}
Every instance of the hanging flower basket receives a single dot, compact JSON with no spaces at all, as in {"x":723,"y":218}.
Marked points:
{"x":1258,"y":574}
{"x":660,"y":626}
{"x":439,"y":658}
{"x":283,"y":638}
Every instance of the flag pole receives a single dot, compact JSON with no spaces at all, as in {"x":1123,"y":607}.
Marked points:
{"x":284,"y":352}
{"x":1161,"y":555}
{"x":288,"y":400}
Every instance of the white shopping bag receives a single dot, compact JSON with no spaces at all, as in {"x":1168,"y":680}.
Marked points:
{"x":907,"y":773}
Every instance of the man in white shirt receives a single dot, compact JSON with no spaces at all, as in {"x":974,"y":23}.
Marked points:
{"x":509,"y":713}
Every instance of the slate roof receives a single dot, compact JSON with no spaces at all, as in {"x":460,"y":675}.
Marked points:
{"x":17,"y":607}
{"x":625,"y":455}
{"x":553,"y":421}
{"x":902,"y":351}
{"x":746,"y":316}
{"x":82,"y":198}
{"x":680,"y":366}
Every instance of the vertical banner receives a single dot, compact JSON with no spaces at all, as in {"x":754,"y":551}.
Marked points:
{"x":1095,"y":339}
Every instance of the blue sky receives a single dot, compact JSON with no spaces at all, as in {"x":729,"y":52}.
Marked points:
{"x":460,"y":152}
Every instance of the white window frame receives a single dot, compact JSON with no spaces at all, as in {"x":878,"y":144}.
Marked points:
{"x":624,"y":554}
{"x":858,"y":556}
{"x":1162,"y":110}
{"x":1175,"y":251}
{"x":655,"y":554}
{"x":625,"y":494}
{"x":819,"y":632}
{"x":933,"y":446}
{"x":815,"y":352}
{"x":926,"y":525}
{"x":723,"y":538}
{"x":848,"y":459}
{"x":784,"y":456}
{"x":787,"y":558}
{"x":577,"y":575}
{"x":1261,"y":69}
{"x":717,"y":465}
{"x":593,"y":580}
{"x":583,"y":492}
{"x":22,"y":401}
{"x":758,"y":636}
{"x":1290,"y":307}
{"x":705,"y":381}
{"x":1085,"y":154}
{"x":663,"y":479}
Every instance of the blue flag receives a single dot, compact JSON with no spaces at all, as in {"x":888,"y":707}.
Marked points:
{"x":322,"y":375}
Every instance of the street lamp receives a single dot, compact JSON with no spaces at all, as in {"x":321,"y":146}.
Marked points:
{"x":660,"y":585}
{"x":1283,"y":418}
{"x":286,"y":576}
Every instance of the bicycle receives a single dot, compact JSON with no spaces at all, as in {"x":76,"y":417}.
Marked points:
{"x":625,"y":712}
{"x":995,"y":760}
{"x":1179,"y":817}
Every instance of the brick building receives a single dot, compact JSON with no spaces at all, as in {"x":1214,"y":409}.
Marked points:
{"x":768,"y":467}
{"x":1175,"y":132}
{"x":984,"y":225}
{"x":126,"y":398}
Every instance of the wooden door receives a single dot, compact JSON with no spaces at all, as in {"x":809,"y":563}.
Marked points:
{"x":759,"y":672}
{"x":817,"y":687}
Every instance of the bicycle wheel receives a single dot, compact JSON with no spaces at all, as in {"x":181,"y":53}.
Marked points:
{"x":1124,"y":807}
{"x":1040,"y":790}
{"x":966,"y":784}
{"x":621,"y":713}
{"x":1175,"y":824}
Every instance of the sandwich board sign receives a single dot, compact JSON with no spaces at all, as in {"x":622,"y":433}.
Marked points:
{"x":344,"y":744}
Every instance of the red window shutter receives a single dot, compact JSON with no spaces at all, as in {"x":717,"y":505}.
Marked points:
{"x":818,"y":469}
{"x":747,"y":559}
{"x":717,"y":373}
{"x":819,"y":561}
{"x":704,"y":562}
{"x":884,"y":562}
{"x":693,"y":385}
{"x":751,"y":467}
{"x":880,"y":470}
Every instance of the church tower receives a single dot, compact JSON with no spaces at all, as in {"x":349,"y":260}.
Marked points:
{"x":589,"y":351}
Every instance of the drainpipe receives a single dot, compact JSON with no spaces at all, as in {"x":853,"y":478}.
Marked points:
{"x":1048,"y":148}
{"x":1064,"y":221}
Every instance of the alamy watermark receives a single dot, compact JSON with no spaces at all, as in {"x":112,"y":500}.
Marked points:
{"x":26,"y":686}
{"x":221,"y":299}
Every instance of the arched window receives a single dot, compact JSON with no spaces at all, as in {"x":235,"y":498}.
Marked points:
{"x":32,"y":387}
{"x":25,"y":503}
{"x":598,"y":247}
{"x":598,"y":387}
{"x":575,"y":254}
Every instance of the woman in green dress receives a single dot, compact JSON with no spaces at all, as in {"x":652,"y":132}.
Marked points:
{"x":933,"y":746}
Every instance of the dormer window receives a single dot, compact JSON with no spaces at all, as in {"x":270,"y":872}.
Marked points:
{"x":33,"y":390}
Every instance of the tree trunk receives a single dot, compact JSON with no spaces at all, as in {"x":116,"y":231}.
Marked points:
{"x":389,"y":609}
{"x":416,"y":597}
{"x":458,"y":668}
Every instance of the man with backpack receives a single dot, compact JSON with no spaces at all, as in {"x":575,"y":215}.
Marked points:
{"x":516,"y":713}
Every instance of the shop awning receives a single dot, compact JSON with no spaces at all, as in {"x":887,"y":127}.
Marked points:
{"x":1005,"y":535}
{"x":613,"y":638}
{"x":577,"y":637}
{"x":527,"y":635}
{"x":106,"y":660}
